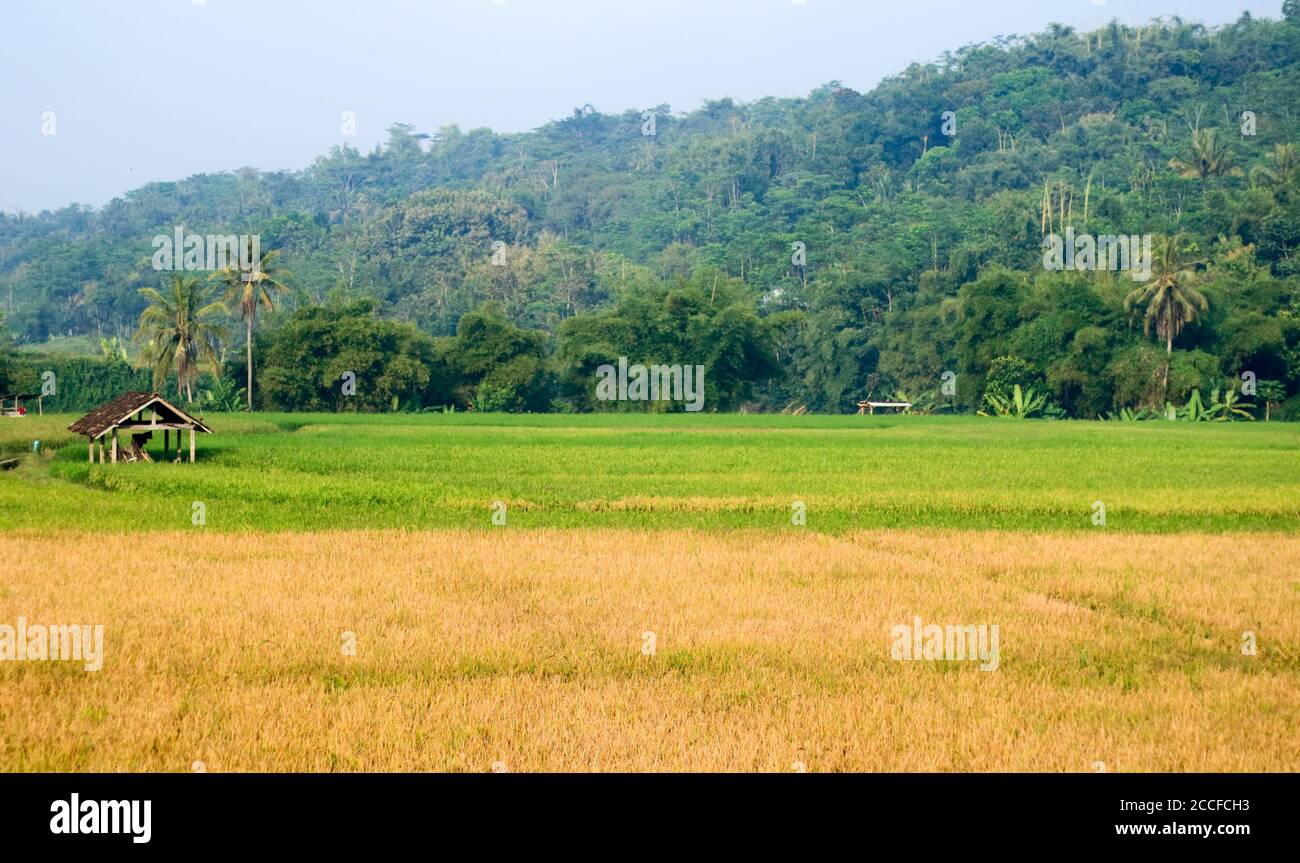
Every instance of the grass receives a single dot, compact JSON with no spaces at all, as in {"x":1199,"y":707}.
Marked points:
{"x":77,"y":346}
{"x":305,"y":472}
{"x":527,"y":648}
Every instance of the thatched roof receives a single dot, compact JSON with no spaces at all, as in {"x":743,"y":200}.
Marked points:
{"x":125,"y":406}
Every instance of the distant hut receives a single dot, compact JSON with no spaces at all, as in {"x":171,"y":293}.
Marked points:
{"x":11,"y":404}
{"x":139,"y":415}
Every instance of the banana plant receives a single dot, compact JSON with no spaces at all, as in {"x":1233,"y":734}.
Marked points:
{"x":113,"y":349}
{"x":1230,"y":408}
{"x":922,"y":404}
{"x":224,"y":397}
{"x":1195,"y":410}
{"x":1021,"y":405}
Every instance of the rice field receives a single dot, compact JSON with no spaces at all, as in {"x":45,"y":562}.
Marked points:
{"x":529,"y":651}
{"x":648,"y":599}
{"x":334,"y":472}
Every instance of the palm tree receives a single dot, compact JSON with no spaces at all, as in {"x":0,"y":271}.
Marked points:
{"x":1273,"y":393}
{"x":1207,"y":156}
{"x":249,"y":290}
{"x":1281,"y":172}
{"x":1168,"y":300}
{"x":181,"y":332}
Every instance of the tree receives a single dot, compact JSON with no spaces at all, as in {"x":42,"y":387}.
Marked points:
{"x":708,"y":321}
{"x":248,"y":290}
{"x":1273,"y":393}
{"x":389,"y":365}
{"x":1007,"y":372}
{"x":1206,"y":156}
{"x":1168,"y":300}
{"x":990,"y":312}
{"x":181,"y":333}
{"x":909,"y":267}
{"x":7,"y":370}
{"x":498,"y":366}
{"x":1281,"y":171}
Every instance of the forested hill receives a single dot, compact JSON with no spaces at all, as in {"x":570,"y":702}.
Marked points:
{"x":879,"y":250}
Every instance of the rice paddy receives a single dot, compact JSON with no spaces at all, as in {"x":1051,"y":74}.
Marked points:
{"x":475,"y":593}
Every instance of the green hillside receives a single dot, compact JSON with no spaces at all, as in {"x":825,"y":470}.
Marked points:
{"x":810,"y":252}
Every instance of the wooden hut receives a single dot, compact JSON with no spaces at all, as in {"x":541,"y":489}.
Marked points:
{"x":139,"y":415}
{"x":11,"y":404}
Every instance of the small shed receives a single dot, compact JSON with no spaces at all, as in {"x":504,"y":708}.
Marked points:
{"x":139,"y":415}
{"x":11,"y":404}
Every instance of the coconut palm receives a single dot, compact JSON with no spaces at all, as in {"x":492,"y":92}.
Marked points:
{"x":181,"y":332}
{"x":1207,"y":156}
{"x":1167,"y":300}
{"x":1281,"y":171}
{"x":248,"y":290}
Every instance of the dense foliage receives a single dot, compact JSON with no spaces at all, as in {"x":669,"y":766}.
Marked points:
{"x":809,"y":252}
{"x":80,"y":383}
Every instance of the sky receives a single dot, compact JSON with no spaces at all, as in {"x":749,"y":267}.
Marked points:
{"x":97,"y":98}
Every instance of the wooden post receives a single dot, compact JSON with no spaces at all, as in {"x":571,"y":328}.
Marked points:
{"x":114,"y":446}
{"x":92,"y":450}
{"x":191,"y":446}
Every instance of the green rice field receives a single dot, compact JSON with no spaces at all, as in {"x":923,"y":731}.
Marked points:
{"x":303,"y":472}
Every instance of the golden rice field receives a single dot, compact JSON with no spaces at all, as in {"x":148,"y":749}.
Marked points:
{"x":527,"y":650}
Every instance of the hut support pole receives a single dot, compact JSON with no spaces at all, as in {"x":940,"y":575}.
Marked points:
{"x":92,"y":450}
{"x":114,"y":446}
{"x":191,"y":445}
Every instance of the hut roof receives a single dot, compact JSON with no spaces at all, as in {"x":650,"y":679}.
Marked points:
{"x":120,"y":409}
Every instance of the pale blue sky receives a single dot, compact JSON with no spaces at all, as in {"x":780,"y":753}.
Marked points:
{"x":146,"y":90}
